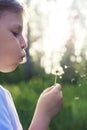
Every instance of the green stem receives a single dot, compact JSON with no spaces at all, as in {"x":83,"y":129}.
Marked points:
{"x":55,"y":79}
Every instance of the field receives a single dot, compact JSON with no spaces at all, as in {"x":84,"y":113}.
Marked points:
{"x":73,"y":115}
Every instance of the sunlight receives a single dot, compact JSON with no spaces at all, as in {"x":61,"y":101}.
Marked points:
{"x":22,"y":0}
{"x":56,"y":34}
{"x":58,"y":29}
{"x":59,"y":21}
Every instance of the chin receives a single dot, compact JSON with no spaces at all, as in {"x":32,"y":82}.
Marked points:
{"x":9,"y":69}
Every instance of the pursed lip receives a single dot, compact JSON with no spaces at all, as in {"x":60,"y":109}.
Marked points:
{"x":23,"y":55}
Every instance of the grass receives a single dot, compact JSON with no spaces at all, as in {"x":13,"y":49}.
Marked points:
{"x":73,"y":115}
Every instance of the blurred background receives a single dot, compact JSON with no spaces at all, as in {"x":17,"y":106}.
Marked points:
{"x":56,"y":35}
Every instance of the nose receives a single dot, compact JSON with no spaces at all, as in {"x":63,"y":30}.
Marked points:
{"x":23,"y":43}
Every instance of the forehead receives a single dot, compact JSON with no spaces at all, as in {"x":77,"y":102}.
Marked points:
{"x":11,"y":19}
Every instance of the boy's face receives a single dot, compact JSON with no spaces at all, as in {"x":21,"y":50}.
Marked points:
{"x":12,"y":43}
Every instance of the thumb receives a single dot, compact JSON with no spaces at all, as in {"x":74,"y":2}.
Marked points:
{"x":57,"y":87}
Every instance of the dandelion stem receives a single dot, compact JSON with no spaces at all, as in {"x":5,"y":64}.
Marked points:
{"x":56,"y":77}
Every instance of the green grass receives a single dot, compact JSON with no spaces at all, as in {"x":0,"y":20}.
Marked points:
{"x":73,"y":115}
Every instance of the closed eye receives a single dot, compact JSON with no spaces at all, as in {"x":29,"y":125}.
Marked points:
{"x":15,"y":34}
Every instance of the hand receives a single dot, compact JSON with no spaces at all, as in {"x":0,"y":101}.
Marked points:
{"x":48,"y":105}
{"x":50,"y":101}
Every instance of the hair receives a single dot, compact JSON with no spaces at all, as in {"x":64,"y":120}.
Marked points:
{"x":10,"y":5}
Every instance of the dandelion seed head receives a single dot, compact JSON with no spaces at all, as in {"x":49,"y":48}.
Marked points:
{"x":58,"y":71}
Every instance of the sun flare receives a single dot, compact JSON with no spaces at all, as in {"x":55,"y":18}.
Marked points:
{"x":60,"y":20}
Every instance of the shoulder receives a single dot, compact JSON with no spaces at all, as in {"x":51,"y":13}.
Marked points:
{"x":4,"y":115}
{"x":3,"y":90}
{"x":3,"y":100}
{"x":3,"y":93}
{"x":5,"y":97}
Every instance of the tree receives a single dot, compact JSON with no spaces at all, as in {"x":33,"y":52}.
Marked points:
{"x":28,"y":63}
{"x":68,"y":63}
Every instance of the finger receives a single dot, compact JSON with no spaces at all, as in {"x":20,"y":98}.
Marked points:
{"x":48,"y":89}
{"x":58,"y":87}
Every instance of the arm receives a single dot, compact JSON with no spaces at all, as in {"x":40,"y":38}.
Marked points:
{"x":49,"y":104}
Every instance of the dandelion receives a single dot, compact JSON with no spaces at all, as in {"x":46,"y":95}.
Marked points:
{"x":58,"y":71}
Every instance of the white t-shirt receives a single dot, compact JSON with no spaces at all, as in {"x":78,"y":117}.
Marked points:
{"x":9,"y":119}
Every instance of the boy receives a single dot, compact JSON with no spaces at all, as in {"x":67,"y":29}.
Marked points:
{"x":12,"y":45}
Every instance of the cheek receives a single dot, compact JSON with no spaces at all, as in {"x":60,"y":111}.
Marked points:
{"x":10,"y":51}
{"x":9,"y":48}
{"x":9,"y":57}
